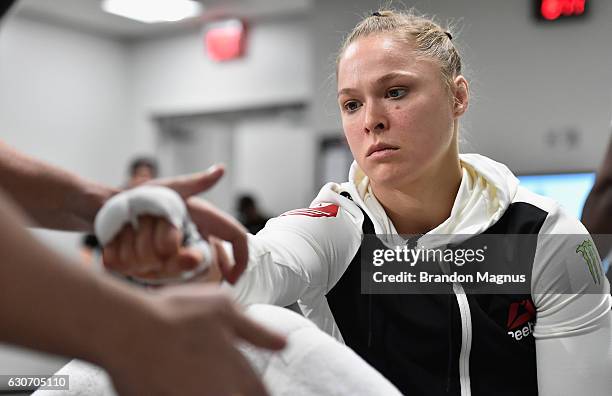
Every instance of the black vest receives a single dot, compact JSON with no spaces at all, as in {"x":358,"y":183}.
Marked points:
{"x":414,"y":340}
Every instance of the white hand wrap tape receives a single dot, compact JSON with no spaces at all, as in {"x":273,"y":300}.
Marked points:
{"x":125,"y":207}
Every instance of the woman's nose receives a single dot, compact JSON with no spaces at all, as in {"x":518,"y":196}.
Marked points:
{"x":375,"y":119}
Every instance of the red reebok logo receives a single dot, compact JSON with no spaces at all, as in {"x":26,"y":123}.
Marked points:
{"x":319,"y":210}
{"x":520,"y":313}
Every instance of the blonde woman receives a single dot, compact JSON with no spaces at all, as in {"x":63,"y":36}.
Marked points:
{"x":402,"y":94}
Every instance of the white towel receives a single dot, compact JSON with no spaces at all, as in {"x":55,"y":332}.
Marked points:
{"x":84,"y":379}
{"x":312,"y":364}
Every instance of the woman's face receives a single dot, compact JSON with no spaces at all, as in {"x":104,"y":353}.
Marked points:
{"x":398,"y":115}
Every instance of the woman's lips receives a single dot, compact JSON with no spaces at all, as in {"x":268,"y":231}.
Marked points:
{"x":381,"y":150}
{"x":383,"y":153}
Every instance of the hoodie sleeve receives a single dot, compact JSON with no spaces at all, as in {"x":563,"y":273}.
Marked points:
{"x":572,"y":296}
{"x":300,"y":250}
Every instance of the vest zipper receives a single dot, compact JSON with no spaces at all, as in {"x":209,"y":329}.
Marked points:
{"x":466,"y":339}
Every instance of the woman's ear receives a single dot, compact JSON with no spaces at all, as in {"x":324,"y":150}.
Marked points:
{"x":461,"y":93}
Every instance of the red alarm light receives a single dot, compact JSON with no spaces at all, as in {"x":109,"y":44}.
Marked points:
{"x":555,"y":9}
{"x":225,"y":40}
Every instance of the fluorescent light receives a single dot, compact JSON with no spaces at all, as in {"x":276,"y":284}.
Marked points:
{"x":153,"y":11}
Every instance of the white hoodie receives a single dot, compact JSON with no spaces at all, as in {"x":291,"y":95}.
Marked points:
{"x":300,"y":256}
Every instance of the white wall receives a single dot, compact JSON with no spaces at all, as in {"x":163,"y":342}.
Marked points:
{"x":267,"y":153}
{"x":527,"y":78}
{"x":173,"y":76}
{"x":63,"y":97}
{"x":274,"y":162}
{"x":87,"y":103}
{"x":191,"y":144}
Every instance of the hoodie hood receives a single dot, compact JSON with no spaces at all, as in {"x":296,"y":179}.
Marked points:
{"x":487,"y":189}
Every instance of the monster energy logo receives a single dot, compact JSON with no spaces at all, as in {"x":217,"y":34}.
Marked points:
{"x":589,"y":254}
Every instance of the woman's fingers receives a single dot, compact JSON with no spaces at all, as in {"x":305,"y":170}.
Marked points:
{"x":145,"y":251}
{"x":154,"y":251}
{"x":211,"y":221}
{"x":166,"y":239}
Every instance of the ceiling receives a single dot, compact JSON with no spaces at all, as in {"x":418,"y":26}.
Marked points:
{"x":88,"y":15}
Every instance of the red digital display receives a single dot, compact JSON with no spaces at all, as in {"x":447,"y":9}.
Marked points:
{"x":555,"y":9}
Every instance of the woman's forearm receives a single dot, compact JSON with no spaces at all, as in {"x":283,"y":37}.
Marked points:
{"x":50,"y":196}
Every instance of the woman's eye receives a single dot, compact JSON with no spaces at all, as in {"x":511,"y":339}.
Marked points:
{"x":396,"y":93}
{"x":351,"y":106}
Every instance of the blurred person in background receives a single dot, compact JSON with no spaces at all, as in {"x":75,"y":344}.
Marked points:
{"x":597,"y":212}
{"x":249,"y":214}
{"x":140,"y":170}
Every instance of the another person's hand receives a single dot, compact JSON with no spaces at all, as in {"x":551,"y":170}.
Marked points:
{"x":188,"y":347}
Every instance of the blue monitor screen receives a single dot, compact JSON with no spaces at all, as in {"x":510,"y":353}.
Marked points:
{"x":569,"y":189}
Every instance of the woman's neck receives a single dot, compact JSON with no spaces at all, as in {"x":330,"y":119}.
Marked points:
{"x":422,"y":204}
